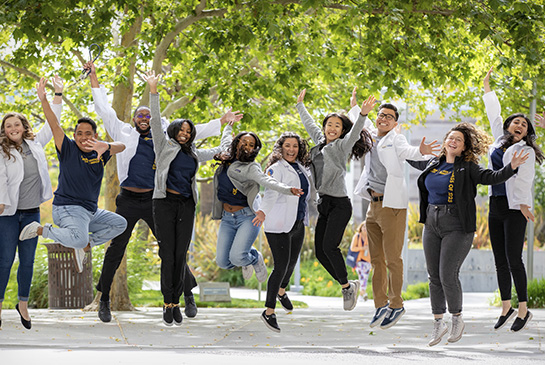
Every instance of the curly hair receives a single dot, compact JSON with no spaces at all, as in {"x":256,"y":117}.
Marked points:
{"x":530,"y":138}
{"x":302,"y":155}
{"x":7,"y":143}
{"x":233,"y":153}
{"x":476,"y":141}
{"x":362,"y":146}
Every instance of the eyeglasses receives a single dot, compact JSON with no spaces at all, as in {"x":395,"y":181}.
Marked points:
{"x":147,"y":116}
{"x":385,"y":116}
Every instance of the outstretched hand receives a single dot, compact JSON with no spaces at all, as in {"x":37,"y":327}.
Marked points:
{"x":259,"y":218}
{"x":90,"y":68}
{"x":431,"y":148}
{"x":368,"y":105}
{"x":152,"y":80}
{"x":486,"y":80}
{"x":40,"y":89}
{"x":301,"y":96}
{"x":231,"y":117}
{"x":98,"y":146}
{"x":58,"y":84}
{"x":540,"y":120}
{"x":353,"y":98}
{"x":527,"y":213}
{"x":296,"y":191}
{"x":518,"y":159}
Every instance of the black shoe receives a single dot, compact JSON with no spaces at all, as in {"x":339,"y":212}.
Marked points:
{"x":519,"y":324}
{"x":190,"y":309}
{"x":26,"y":323}
{"x":168,"y":316}
{"x":177,"y":315}
{"x":504,"y":319}
{"x":286,"y":302}
{"x":270,"y":321}
{"x":104,"y":312}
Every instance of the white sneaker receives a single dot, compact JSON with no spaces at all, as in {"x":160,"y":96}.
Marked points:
{"x":247,"y":272}
{"x":350,"y":295}
{"x":260,"y":269}
{"x":457,"y":329}
{"x":439,"y":330}
{"x":29,"y":231}
{"x":79,"y":259}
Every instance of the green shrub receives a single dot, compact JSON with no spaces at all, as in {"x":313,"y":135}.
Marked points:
{"x":536,"y":295}
{"x":416,"y":291}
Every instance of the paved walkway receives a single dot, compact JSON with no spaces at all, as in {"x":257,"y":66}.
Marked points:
{"x":319,"y":334}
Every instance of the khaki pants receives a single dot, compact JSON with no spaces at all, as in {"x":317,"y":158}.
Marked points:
{"x":386,"y":232}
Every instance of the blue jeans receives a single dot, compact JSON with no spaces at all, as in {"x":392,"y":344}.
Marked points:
{"x":236,"y":236}
{"x":10,"y":227}
{"x":78,"y":226}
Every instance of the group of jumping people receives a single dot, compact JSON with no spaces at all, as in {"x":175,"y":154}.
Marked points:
{"x":157,"y":165}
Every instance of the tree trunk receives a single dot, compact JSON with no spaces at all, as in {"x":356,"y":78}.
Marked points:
{"x":122,"y":104}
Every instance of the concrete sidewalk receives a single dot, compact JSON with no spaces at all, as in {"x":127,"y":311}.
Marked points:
{"x":319,"y":334}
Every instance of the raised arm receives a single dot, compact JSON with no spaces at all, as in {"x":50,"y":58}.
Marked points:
{"x":56,"y":129}
{"x":159,"y":138}
{"x":493,"y":107}
{"x":486,"y":81}
{"x":313,"y":130}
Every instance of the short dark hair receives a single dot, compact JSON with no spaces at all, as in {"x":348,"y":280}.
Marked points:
{"x":140,"y":108}
{"x":88,"y":121}
{"x":391,"y":107}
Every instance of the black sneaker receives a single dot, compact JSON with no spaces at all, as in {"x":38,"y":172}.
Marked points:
{"x":167,"y":315}
{"x":104,"y":312}
{"x":520,"y":323}
{"x":177,"y":315}
{"x":504,"y":319}
{"x":285,"y":301}
{"x":190,"y":306}
{"x":270,"y":321}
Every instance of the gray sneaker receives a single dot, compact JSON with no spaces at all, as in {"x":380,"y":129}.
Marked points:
{"x":29,"y":231}
{"x":439,"y":330}
{"x":247,"y":272}
{"x":457,"y":329}
{"x":79,"y":259}
{"x":260,"y":269}
{"x":350,"y":295}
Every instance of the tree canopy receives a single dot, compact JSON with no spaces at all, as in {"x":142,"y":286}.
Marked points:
{"x":256,"y":55}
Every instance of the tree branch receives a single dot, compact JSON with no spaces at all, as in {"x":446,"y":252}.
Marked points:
{"x":24,"y":71}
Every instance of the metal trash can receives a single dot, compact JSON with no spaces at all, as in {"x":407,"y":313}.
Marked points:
{"x":68,"y":288}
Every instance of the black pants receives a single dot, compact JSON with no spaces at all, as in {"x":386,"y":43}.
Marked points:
{"x":133,"y":207}
{"x":507,"y":228}
{"x":285,"y":248}
{"x":334,"y":214}
{"x":174,"y":219}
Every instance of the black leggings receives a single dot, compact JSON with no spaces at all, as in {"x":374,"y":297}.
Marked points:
{"x":507,"y":228}
{"x":334,"y":214}
{"x":285,"y":248}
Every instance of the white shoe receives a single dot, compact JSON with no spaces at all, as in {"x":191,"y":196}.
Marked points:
{"x":79,"y":259}
{"x":439,"y":330}
{"x":260,"y":269}
{"x":29,"y":231}
{"x":247,"y":272}
{"x":457,"y":329}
